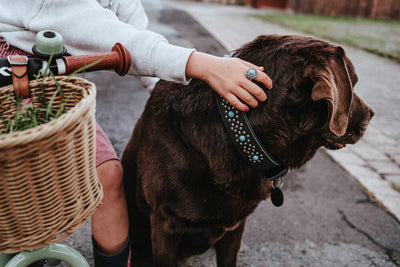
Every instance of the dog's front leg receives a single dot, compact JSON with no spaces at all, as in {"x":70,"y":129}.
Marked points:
{"x":228,"y":247}
{"x":165,"y":241}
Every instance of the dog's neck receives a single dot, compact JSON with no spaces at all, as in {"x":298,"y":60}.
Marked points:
{"x":246,"y":142}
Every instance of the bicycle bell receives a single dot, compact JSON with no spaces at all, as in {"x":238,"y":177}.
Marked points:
{"x":47,"y":43}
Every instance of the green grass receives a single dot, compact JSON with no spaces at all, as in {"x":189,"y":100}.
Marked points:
{"x":381,"y":37}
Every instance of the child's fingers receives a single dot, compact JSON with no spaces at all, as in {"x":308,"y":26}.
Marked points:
{"x":234,"y":101}
{"x":261,"y":76}
{"x":254,"y":90}
{"x":246,"y":96}
{"x":241,"y":96}
{"x":264,"y":79}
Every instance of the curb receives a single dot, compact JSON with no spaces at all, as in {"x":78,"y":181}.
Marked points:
{"x":374,"y":162}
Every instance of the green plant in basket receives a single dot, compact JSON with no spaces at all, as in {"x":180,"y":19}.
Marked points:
{"x":30,"y":116}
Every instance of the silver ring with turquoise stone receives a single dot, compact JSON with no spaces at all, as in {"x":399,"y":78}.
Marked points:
{"x":251,"y":73}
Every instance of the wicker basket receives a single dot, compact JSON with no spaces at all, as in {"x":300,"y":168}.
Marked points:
{"x":48,"y":180}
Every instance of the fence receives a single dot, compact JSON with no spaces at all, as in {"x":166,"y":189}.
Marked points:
{"x":382,"y":9}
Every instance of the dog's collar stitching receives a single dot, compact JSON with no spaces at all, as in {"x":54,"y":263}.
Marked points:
{"x":245,"y":140}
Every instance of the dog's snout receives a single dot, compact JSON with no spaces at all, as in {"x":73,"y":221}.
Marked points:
{"x":362,"y":108}
{"x":371,"y":113}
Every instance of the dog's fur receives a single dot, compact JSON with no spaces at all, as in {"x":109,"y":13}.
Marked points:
{"x":188,"y":189}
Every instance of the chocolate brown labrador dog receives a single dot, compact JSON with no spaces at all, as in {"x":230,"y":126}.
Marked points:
{"x":187,"y":186}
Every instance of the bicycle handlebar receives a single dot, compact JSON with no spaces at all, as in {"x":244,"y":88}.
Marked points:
{"x":118,"y":59}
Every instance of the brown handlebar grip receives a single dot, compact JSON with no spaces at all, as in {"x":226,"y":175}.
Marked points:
{"x":118,"y":59}
{"x":125,"y":59}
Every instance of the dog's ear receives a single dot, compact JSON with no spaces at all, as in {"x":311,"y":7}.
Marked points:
{"x":332,"y":83}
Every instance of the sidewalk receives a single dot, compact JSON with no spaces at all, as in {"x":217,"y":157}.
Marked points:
{"x":374,"y":162}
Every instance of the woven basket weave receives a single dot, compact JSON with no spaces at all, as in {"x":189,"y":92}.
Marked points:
{"x":48,"y":180}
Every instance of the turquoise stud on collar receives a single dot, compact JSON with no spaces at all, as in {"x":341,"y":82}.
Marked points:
{"x":245,"y":140}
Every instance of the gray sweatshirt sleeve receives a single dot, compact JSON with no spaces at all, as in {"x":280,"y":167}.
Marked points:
{"x":88,"y":27}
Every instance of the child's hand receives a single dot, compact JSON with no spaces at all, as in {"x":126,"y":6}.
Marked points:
{"x":227,"y":76}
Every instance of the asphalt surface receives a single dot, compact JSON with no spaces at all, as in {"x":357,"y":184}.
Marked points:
{"x":327,"y":219}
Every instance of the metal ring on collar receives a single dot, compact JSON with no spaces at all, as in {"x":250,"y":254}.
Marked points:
{"x":277,"y":183}
{"x":251,"y":73}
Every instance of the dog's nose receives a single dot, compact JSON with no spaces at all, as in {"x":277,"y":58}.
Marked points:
{"x":371,"y":113}
{"x":368,"y":110}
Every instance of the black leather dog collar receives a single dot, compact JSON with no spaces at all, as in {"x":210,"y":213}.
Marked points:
{"x":246,"y":142}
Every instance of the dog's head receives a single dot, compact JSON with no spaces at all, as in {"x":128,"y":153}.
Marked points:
{"x":312,"y":103}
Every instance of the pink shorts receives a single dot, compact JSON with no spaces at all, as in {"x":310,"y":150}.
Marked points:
{"x":104,"y":149}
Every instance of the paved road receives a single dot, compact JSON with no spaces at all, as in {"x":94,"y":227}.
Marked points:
{"x":327,"y":219}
